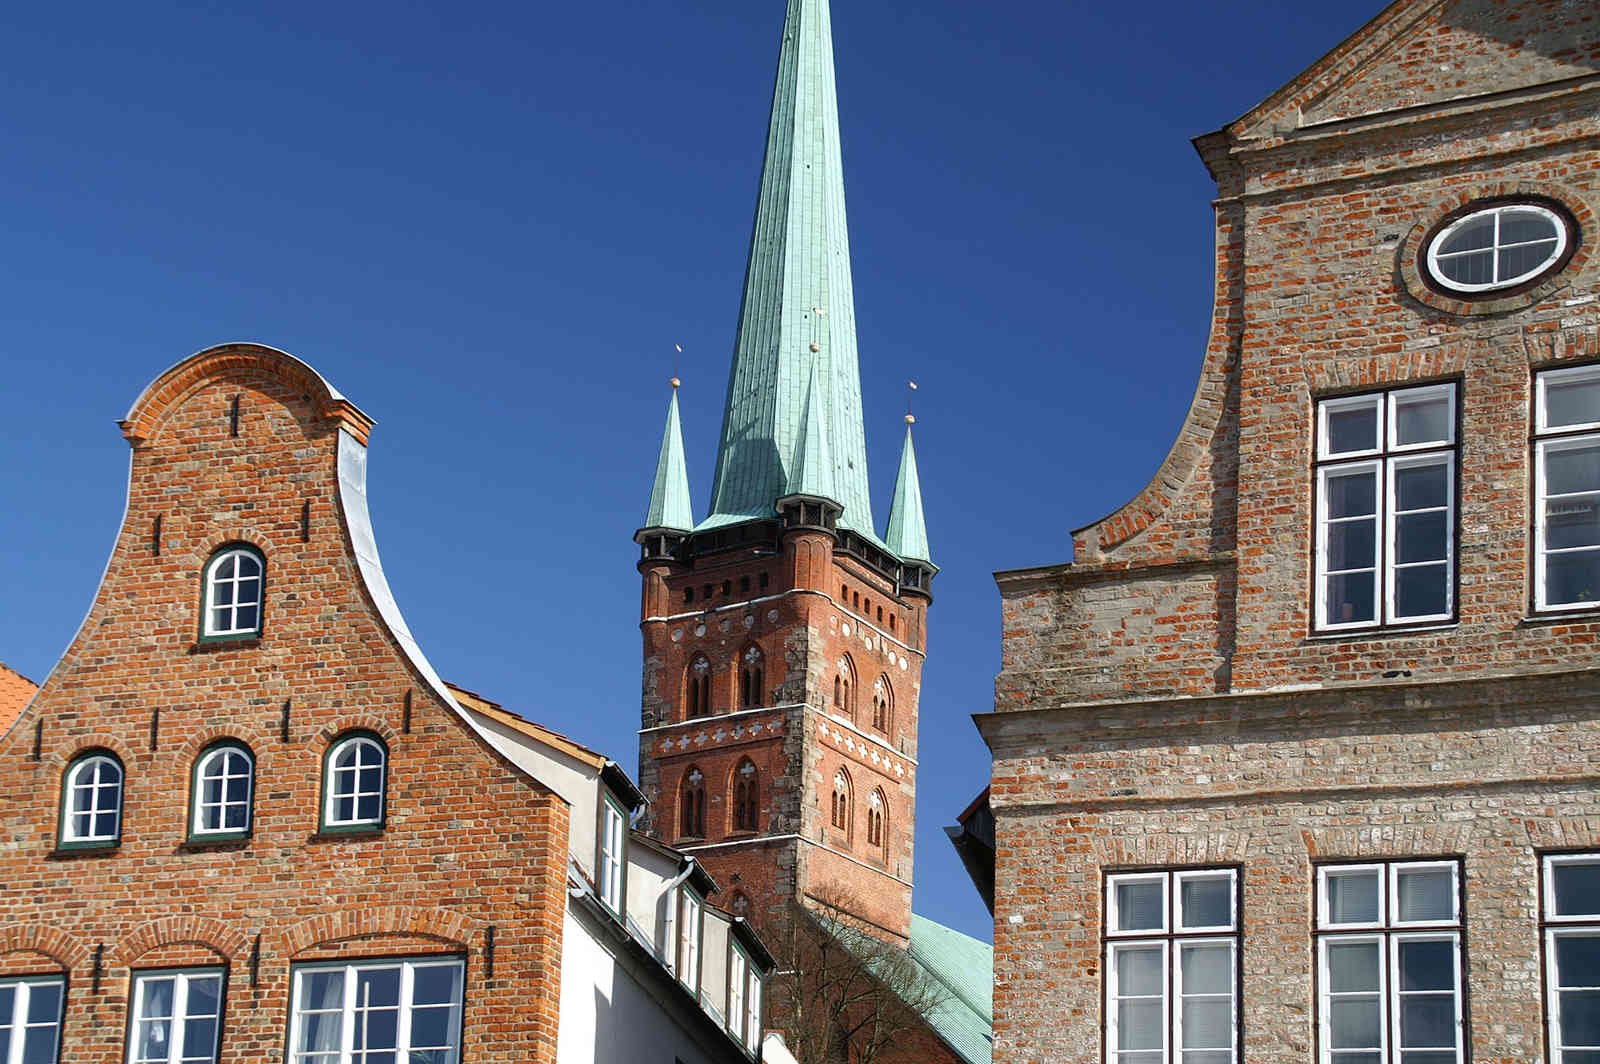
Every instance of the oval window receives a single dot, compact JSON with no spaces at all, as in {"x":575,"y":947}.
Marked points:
{"x":1494,"y":248}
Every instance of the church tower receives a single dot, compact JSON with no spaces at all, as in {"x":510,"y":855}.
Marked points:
{"x":783,"y":637}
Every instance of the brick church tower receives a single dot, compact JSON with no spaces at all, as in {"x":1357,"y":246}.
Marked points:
{"x":783,"y":636}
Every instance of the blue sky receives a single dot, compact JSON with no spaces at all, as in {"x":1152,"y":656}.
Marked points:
{"x":489,"y":224}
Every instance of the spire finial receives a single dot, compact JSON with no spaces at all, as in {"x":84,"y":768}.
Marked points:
{"x":678,"y":353}
{"x":911,"y":390}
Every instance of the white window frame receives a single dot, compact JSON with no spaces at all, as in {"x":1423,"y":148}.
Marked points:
{"x":613,"y":858}
{"x":332,"y":793}
{"x":1171,"y":938}
{"x":752,"y":1010}
{"x":198,"y":807}
{"x":1388,"y":933}
{"x":1546,"y":440}
{"x":738,"y":977}
{"x":177,"y":1022}
{"x":407,"y":967}
{"x":1558,"y":926}
{"x":209,"y":627}
{"x":1563,"y":239}
{"x":688,"y":945}
{"x":69,"y":791}
{"x":1382,"y":461}
{"x":17,"y":1024}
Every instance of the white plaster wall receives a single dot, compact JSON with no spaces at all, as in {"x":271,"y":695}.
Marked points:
{"x":648,"y":872}
{"x":567,"y":776}
{"x":607,"y":1017}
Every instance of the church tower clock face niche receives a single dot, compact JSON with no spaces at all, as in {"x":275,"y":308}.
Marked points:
{"x":784,"y":635}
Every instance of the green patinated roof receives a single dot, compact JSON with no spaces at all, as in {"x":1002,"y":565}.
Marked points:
{"x":908,"y":532}
{"x":812,"y":471}
{"x":670,"y":506}
{"x":960,"y":969}
{"x":799,"y":261}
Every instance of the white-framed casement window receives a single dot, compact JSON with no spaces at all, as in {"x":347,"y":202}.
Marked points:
{"x":175,"y":1017}
{"x":613,"y":858}
{"x":1389,"y":963}
{"x":91,"y":801}
{"x":224,"y":782}
{"x":1386,"y":508}
{"x":233,"y":585}
{"x":752,"y":1008}
{"x":377,"y":1012}
{"x":1566,"y":504}
{"x":688,"y":951}
{"x":30,"y":1019}
{"x":738,"y":977}
{"x":355,"y":780}
{"x":1571,"y":910}
{"x":1172,"y":967}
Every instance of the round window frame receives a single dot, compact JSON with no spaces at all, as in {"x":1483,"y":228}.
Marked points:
{"x":1571,"y":235}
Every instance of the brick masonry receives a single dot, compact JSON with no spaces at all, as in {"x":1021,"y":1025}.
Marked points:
{"x":469,"y":843}
{"x":1162,"y":699}
{"x":813,"y":614}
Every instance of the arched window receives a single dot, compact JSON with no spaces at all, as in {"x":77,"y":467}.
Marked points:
{"x":841,"y":808}
{"x":844,"y":685}
{"x":876,"y":808}
{"x":882,"y":704}
{"x":354,"y":783}
{"x":746,"y":797}
{"x":750,"y":677}
{"x":224,"y":785}
{"x":91,"y":800}
{"x":233,"y":598}
{"x":698,"y":688}
{"x":692,"y":804}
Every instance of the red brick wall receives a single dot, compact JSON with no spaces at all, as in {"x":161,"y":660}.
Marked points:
{"x":427,"y":883}
{"x":808,"y":619}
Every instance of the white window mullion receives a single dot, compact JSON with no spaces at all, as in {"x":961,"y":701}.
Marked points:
{"x":180,"y":1013}
{"x":408,"y":981}
{"x":347,"y":1031}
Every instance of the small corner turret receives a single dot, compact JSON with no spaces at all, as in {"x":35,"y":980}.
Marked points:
{"x":671,"y":514}
{"x":908,"y":531}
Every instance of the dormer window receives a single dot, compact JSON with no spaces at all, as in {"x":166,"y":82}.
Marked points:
{"x":1493,"y":248}
{"x":233,"y":599}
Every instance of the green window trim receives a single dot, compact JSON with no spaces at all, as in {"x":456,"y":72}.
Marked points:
{"x":250,"y":635}
{"x":194,"y":835}
{"x":82,"y":758}
{"x":325,"y":825}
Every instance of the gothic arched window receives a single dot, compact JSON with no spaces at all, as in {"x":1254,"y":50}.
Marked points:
{"x":840,"y":808}
{"x":692,"y":818}
{"x":746,"y":797}
{"x":844,"y":685}
{"x":750,"y":677}
{"x":877,"y":806}
{"x":882,"y":704}
{"x":697,"y":693}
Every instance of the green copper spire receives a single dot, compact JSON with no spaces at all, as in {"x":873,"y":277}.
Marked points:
{"x":908,"y":533}
{"x":669,"y":498}
{"x":812,"y":471}
{"x":798,"y":310}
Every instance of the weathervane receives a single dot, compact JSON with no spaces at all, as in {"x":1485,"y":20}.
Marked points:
{"x":678,"y":349}
{"x":911,"y":390}
{"x":820,"y":312}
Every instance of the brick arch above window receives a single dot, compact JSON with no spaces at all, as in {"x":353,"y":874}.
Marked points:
{"x":1409,"y":255}
{"x":69,"y":749}
{"x":46,"y":940}
{"x":340,"y":726}
{"x":440,"y":925}
{"x":226,"y":941}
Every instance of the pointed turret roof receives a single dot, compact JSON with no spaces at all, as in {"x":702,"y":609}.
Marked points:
{"x":798,"y":310}
{"x":670,"y":506}
{"x":908,"y":533}
{"x":811,"y":473}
